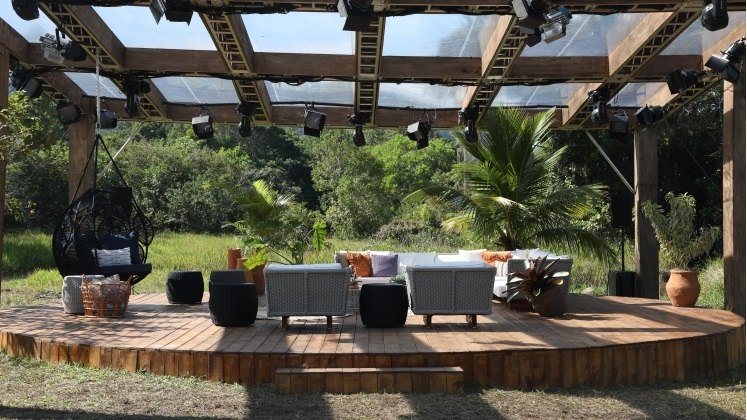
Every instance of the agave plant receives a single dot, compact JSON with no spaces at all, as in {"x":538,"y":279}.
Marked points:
{"x":537,"y":279}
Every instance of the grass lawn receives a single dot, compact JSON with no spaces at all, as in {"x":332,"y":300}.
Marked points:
{"x":32,"y":389}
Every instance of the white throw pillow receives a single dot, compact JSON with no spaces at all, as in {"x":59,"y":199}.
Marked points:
{"x":450,"y":257}
{"x":110,"y":257}
{"x":454,"y":264}
{"x":472,"y":254}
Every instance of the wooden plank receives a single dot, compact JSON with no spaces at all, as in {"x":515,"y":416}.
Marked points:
{"x":495,"y":369}
{"x":246,"y":369}
{"x":480,"y":369}
{"x":581,"y":364}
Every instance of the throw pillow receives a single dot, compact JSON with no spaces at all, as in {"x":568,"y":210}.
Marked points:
{"x":384,"y":265}
{"x":110,"y":257}
{"x":472,"y":254}
{"x":361,"y":263}
{"x":124,"y":240}
{"x":493,"y":256}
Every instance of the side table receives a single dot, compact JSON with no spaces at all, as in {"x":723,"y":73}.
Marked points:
{"x":383,"y":305}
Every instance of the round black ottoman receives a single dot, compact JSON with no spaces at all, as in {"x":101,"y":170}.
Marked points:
{"x":383,"y":305}
{"x":184,"y":287}
{"x":233,"y":304}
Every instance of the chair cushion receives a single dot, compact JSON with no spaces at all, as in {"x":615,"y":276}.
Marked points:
{"x":110,"y":257}
{"x":361,"y":263}
{"x":384,"y":265}
{"x":472,"y":254}
{"x":124,"y":240}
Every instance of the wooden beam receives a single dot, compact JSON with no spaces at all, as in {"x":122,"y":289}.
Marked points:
{"x":645,"y":168}
{"x":15,"y":44}
{"x":184,"y":62}
{"x":734,"y":195}
{"x":637,"y":38}
{"x":330,"y":65}
{"x":81,"y":142}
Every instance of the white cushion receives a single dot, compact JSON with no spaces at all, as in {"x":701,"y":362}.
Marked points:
{"x":454,"y":264}
{"x":499,"y":286}
{"x":450,"y":257}
{"x":110,"y":257}
{"x":501,"y":268}
{"x":303,"y":267}
{"x":405,"y":259}
{"x":521,"y":254}
{"x":472,"y":254}
{"x":536,"y":253}
{"x":380,"y":252}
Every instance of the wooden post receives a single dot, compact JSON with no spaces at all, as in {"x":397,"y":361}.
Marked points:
{"x":4,"y":68}
{"x":646,"y":167}
{"x":733,"y":195}
{"x":81,"y":142}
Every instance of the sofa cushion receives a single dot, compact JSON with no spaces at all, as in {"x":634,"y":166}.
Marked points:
{"x":472,"y":254}
{"x":303,"y":267}
{"x":361,"y":263}
{"x":110,"y":257}
{"x":454,"y":264}
{"x":124,"y":240}
{"x":384,"y":265}
{"x":450,"y":257}
{"x":406,"y":259}
{"x":492,"y":256}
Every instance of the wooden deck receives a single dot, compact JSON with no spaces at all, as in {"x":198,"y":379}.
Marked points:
{"x":603,"y":341}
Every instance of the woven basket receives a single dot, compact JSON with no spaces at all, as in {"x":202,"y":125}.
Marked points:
{"x":105,"y":299}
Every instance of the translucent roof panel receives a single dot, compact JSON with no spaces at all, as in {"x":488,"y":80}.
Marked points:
{"x":420,"y":95}
{"x":201,"y":90}
{"x":299,"y":32}
{"x":696,"y":39}
{"x":588,"y":35}
{"x":88,"y":83}
{"x":446,"y":35}
{"x":31,"y":30}
{"x":136,"y":28}
{"x":527,"y":96}
{"x":635,"y":95}
{"x":325,"y":91}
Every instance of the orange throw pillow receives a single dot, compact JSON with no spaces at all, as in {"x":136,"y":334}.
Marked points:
{"x":491,"y":257}
{"x":361,"y":263}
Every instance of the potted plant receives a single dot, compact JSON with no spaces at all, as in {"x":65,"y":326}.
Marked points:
{"x":540,"y":286}
{"x":679,"y":245}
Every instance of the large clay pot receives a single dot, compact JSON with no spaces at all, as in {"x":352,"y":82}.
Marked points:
{"x":258,"y":277}
{"x":551,"y":303}
{"x":683,"y":287}
{"x":247,"y":273}
{"x":233,"y":254}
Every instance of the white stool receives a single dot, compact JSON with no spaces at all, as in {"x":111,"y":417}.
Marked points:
{"x":72,"y":298}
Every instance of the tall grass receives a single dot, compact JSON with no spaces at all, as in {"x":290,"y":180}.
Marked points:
{"x":31,"y":276}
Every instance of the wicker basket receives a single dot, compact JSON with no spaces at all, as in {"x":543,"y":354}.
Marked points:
{"x":105,"y":299}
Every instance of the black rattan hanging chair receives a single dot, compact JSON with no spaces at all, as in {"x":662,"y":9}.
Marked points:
{"x":92,"y":233}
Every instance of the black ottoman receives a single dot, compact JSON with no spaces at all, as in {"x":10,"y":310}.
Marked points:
{"x":383,"y":305}
{"x":233,"y":304}
{"x":184,"y":287}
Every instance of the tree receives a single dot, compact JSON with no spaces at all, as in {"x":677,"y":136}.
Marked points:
{"x":22,"y":128}
{"x":511,"y":198}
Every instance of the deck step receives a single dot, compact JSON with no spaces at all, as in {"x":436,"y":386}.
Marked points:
{"x":370,"y":380}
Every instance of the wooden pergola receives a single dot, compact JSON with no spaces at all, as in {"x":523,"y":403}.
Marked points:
{"x":640,"y":57}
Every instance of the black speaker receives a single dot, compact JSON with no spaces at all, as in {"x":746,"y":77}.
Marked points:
{"x":621,"y":208}
{"x":621,"y":283}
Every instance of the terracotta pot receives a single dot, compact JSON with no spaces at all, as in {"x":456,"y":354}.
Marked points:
{"x":683,"y":287}
{"x":233,"y":254}
{"x":247,"y":273}
{"x":258,"y":278}
{"x":551,"y":303}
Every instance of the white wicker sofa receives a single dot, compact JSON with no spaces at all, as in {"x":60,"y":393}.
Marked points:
{"x":306,"y":290}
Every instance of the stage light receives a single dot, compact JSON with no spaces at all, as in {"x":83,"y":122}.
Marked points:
{"x":358,"y":120}
{"x":203,"y":125}
{"x":26,"y":9}
{"x":174,"y":10}
{"x":468,"y":117}
{"x":679,"y":80}
{"x":557,"y":20}
{"x":134,"y":89}
{"x":729,"y":64}
{"x":599,"y":113}
{"x":68,"y":112}
{"x":714,"y":16}
{"x":27,"y":83}
{"x":313,"y":122}
{"x":107,"y":119}
{"x":619,"y":125}
{"x":245,"y":125}
{"x":358,"y":14}
{"x":649,"y":115}
{"x":529,"y":16}
{"x":419,"y":131}
{"x":541,"y":22}
{"x":57,"y":49}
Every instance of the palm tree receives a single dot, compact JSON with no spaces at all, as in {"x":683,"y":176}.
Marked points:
{"x":512,"y":197}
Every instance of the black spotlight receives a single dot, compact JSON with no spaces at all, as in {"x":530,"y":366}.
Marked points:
{"x":419,"y":131}
{"x":358,"y":14}
{"x":26,"y":9}
{"x":203,"y":125}
{"x":246,"y":111}
{"x":679,"y":80}
{"x":468,"y":117}
{"x":619,"y":125}
{"x":599,"y":113}
{"x":728,"y":65}
{"x":174,"y":10}
{"x":28,"y":84}
{"x":134,"y":89}
{"x":648,"y":115}
{"x":529,"y":16}
{"x":73,"y":52}
{"x":557,"y":20}
{"x":107,"y":119}
{"x":313,"y":122}
{"x":68,"y":112}
{"x":714,"y":16}
{"x":358,"y":120}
